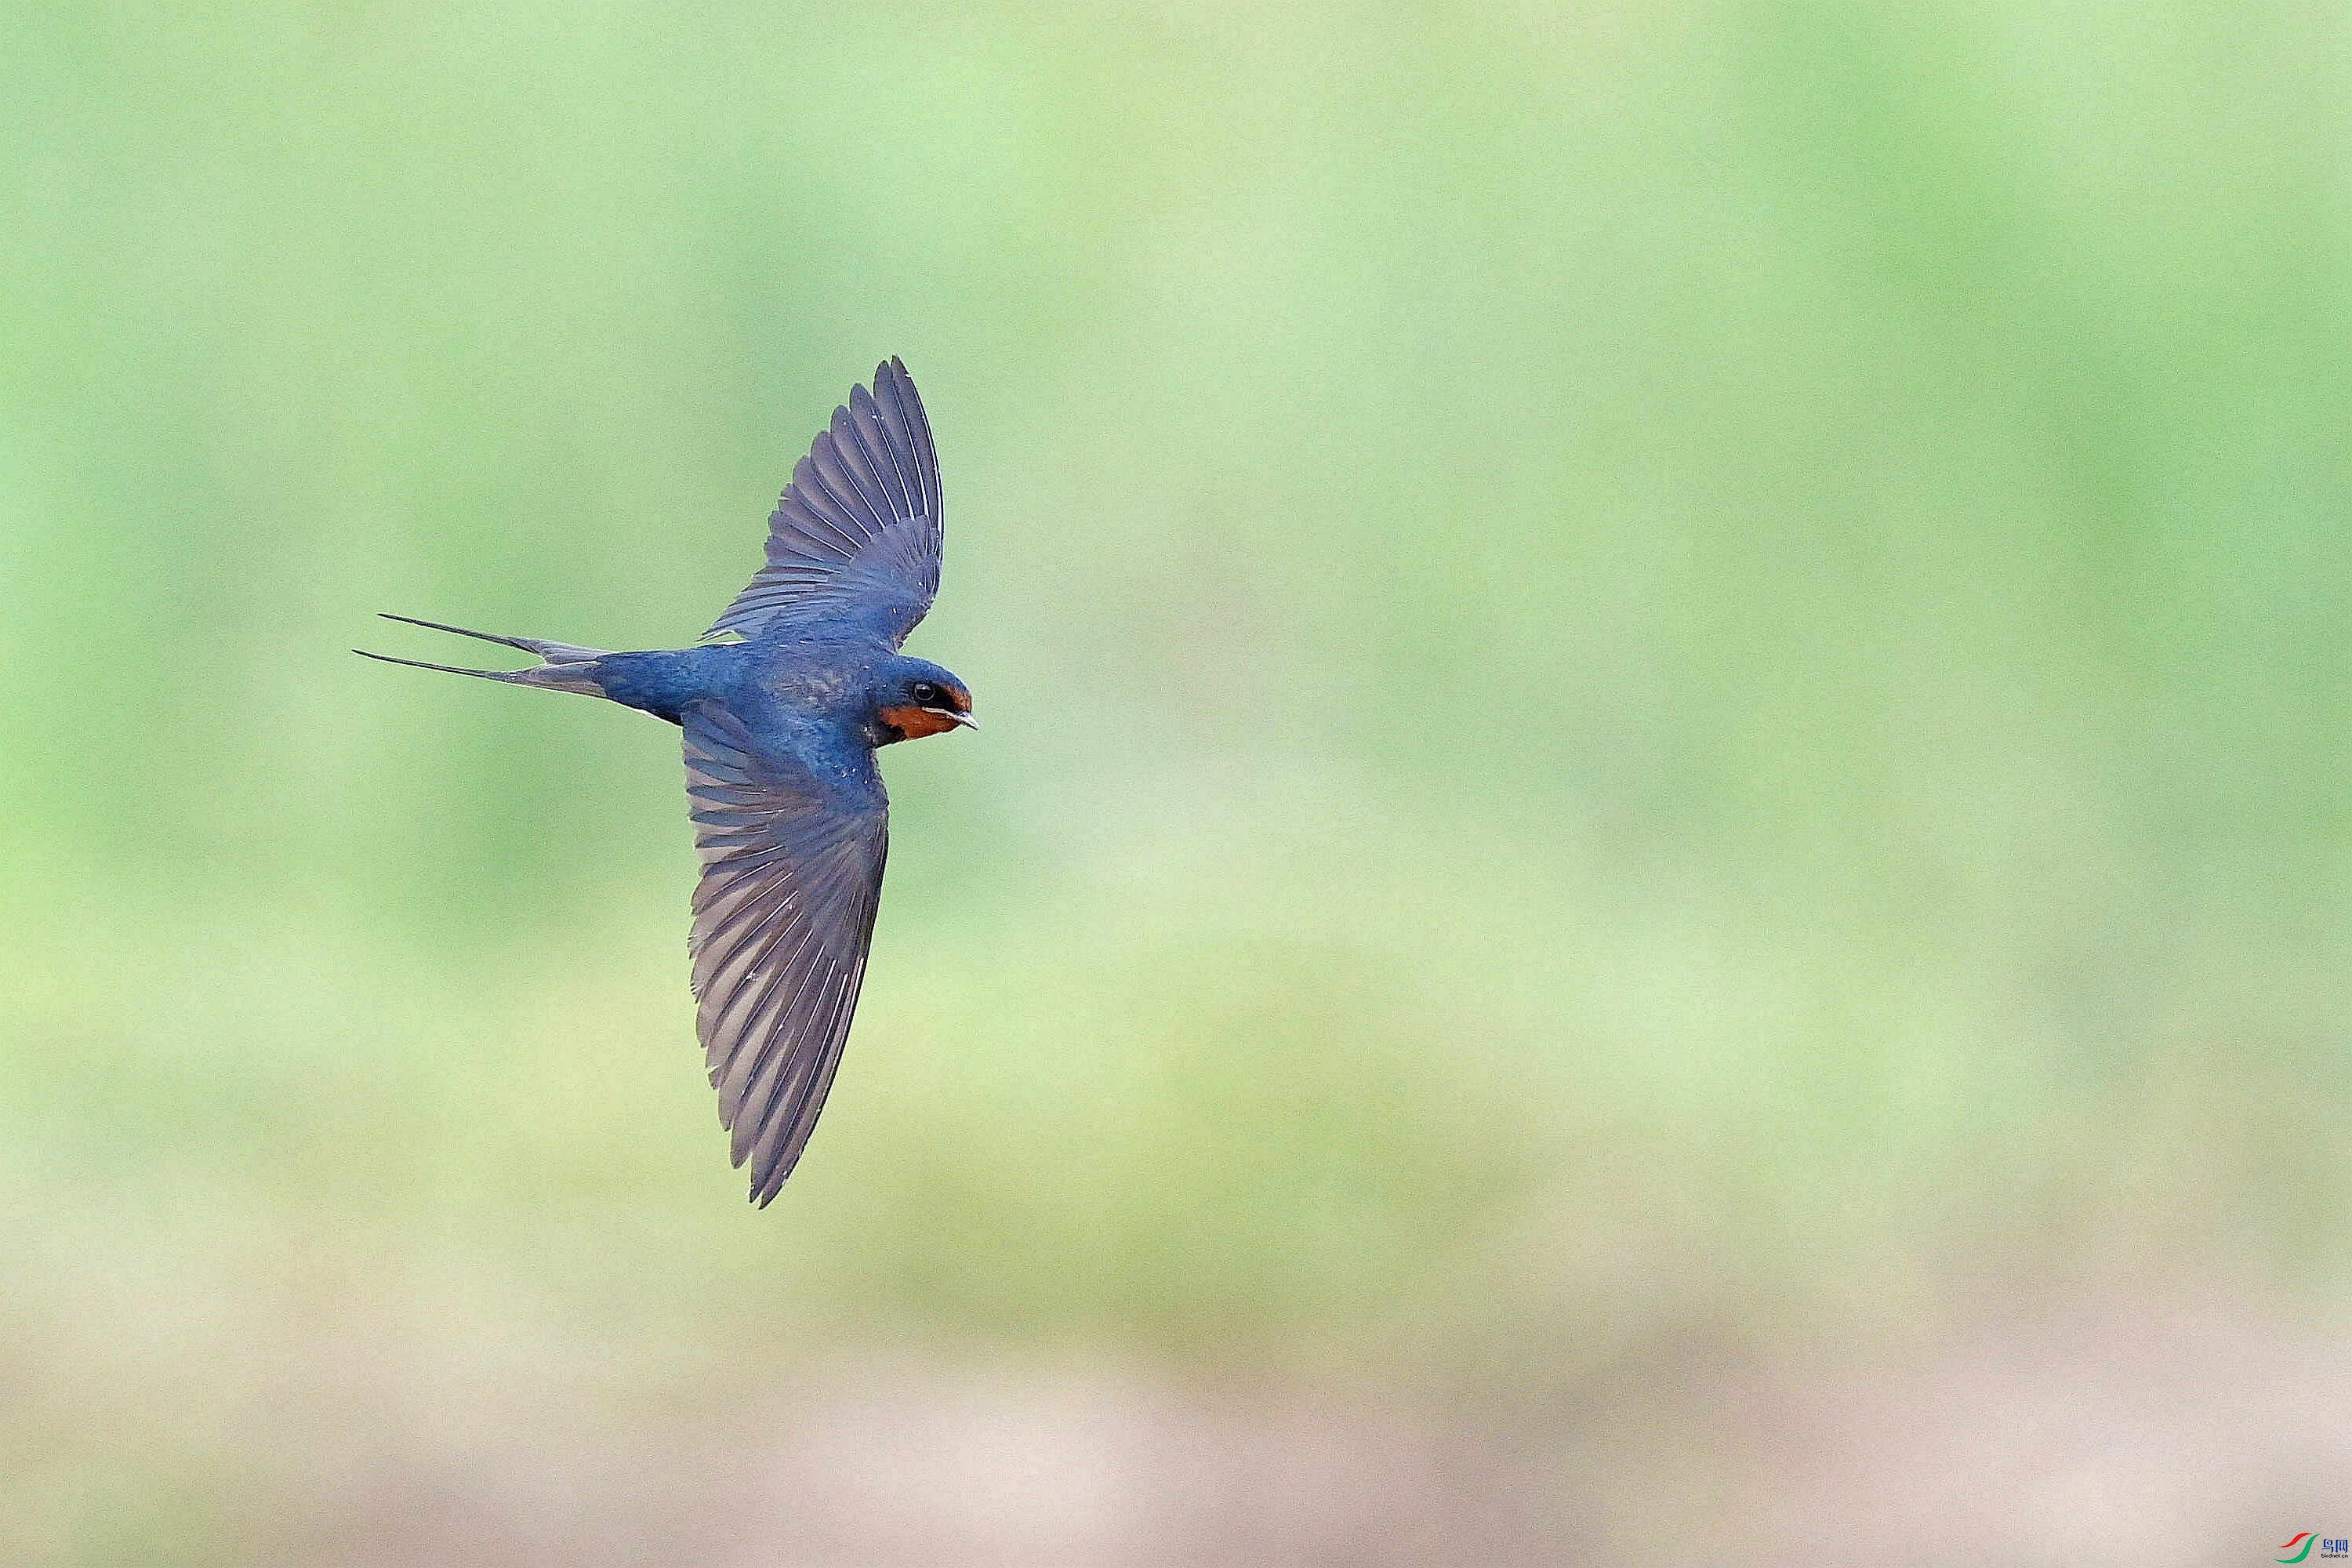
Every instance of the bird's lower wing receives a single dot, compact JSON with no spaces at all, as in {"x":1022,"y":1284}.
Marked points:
{"x":792,"y":875}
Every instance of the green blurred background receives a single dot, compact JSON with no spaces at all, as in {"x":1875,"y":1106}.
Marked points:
{"x":1659,"y":864}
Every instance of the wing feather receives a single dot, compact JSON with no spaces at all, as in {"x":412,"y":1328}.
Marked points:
{"x":909,"y":438}
{"x":874,"y":441}
{"x":792,"y":877}
{"x":856,"y":464}
{"x":857,"y":536}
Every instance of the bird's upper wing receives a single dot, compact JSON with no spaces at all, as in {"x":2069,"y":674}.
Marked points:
{"x":791,"y":872}
{"x":856,"y":536}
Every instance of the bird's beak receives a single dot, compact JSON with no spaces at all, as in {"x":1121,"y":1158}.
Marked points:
{"x":953,"y":717}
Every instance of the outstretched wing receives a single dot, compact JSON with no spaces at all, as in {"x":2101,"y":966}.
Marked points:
{"x":856,"y":536}
{"x":791,"y":872}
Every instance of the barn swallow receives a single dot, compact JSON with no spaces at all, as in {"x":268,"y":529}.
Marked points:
{"x":783,"y":703}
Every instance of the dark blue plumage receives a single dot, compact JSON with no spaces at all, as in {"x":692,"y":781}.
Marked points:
{"x":783,"y":707}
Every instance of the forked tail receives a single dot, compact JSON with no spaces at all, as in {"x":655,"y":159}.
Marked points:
{"x":568,"y":666}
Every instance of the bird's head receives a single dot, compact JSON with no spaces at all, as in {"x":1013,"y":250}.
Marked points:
{"x":915,"y":698}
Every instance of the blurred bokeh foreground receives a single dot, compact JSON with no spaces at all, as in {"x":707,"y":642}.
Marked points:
{"x":1659,"y":864}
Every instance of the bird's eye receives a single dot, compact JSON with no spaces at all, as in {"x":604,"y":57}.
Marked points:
{"x":926,"y":693}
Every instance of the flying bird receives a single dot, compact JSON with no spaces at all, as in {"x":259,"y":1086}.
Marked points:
{"x":783,"y":703}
